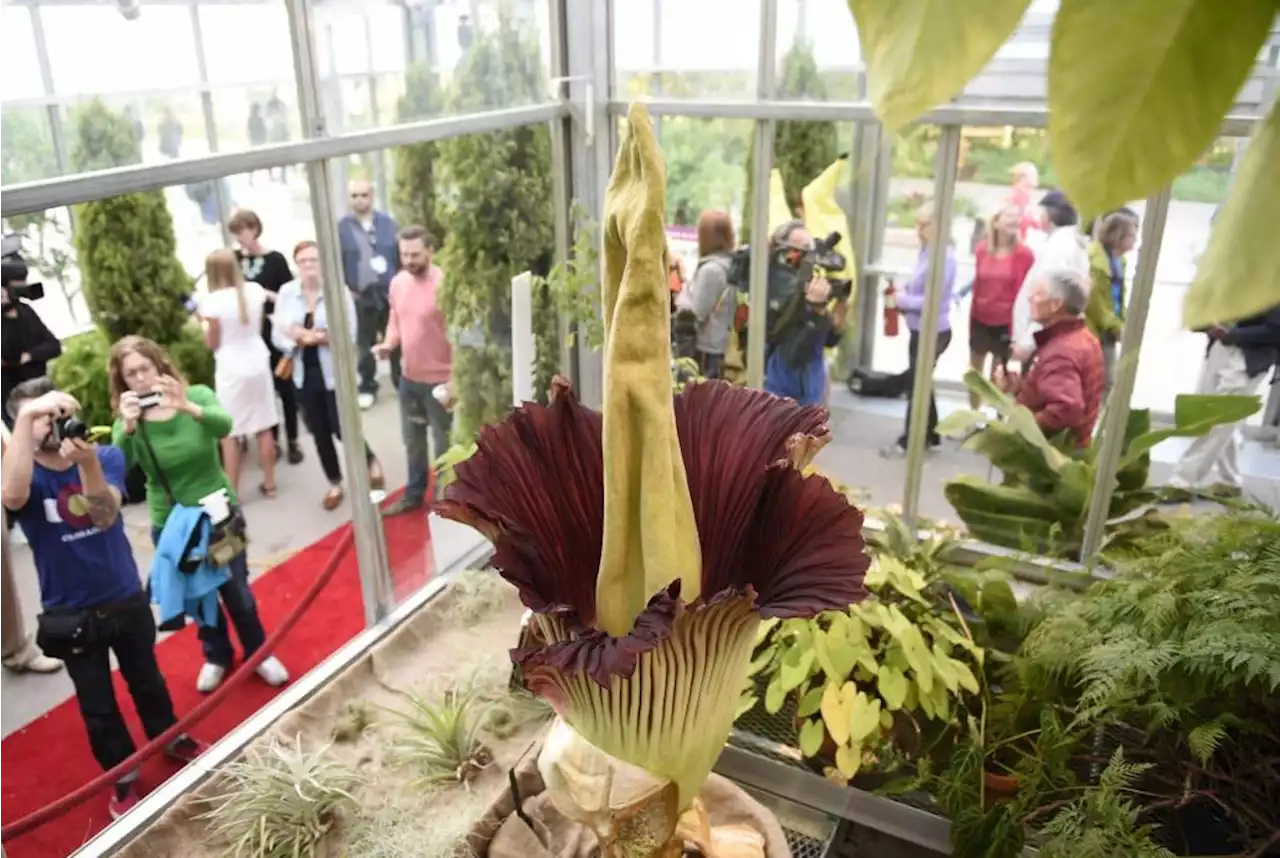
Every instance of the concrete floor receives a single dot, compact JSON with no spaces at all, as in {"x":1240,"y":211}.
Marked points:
{"x":293,"y":520}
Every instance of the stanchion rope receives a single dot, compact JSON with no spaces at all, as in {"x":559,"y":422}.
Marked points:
{"x":77,"y":797}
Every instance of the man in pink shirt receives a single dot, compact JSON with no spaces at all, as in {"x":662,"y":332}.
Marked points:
{"x":416,"y":326}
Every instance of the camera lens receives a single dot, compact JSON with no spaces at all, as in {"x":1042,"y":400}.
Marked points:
{"x":71,"y":427}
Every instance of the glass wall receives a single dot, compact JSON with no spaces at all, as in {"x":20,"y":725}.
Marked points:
{"x":668,"y":49}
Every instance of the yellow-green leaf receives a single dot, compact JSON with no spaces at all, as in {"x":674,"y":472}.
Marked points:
{"x":809,"y":703}
{"x":886,"y":719}
{"x":920,"y":53}
{"x":795,"y":668}
{"x":835,"y":655}
{"x":864,"y":717}
{"x":811,"y":735}
{"x":892,"y":684}
{"x":1239,"y":274}
{"x":837,"y":705}
{"x":746,"y":703}
{"x":1125,"y":123}
{"x":774,"y":696}
{"x":848,"y":760}
{"x":968,"y":681}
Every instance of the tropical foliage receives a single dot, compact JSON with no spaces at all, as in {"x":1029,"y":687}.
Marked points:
{"x":1043,"y":497}
{"x":1184,"y":63}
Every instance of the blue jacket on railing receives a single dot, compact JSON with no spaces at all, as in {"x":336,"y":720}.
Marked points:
{"x":186,"y":538}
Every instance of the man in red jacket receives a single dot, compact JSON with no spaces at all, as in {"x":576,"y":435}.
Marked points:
{"x":1063,"y":388}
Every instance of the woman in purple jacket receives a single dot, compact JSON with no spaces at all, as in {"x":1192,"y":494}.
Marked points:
{"x":911,"y":305}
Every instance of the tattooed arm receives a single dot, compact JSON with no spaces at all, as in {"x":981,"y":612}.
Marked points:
{"x":101,"y":497}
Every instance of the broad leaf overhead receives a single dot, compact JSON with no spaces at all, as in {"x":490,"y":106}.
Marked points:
{"x":920,"y":53}
{"x":1239,"y":274}
{"x":1138,"y":90}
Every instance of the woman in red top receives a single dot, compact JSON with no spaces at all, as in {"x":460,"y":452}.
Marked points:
{"x":1001,"y":264}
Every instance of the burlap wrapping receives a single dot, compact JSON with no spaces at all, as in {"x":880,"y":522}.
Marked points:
{"x":502,"y":833}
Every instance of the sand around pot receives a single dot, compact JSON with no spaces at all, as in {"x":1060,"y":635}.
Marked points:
{"x":459,"y":640}
{"x":738,"y":823}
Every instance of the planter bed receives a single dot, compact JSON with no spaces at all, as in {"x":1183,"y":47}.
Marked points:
{"x":446,"y":642}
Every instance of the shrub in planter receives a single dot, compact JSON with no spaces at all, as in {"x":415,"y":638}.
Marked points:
{"x":801,"y":150}
{"x":133,"y":282}
{"x":415,"y":191}
{"x":495,"y":203}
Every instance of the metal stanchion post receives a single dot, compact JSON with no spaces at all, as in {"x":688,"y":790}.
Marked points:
{"x":1116,"y":416}
{"x":761,"y":169}
{"x":371,"y":549}
{"x":944,"y":189}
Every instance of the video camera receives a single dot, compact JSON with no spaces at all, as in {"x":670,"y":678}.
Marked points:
{"x":13,"y":271}
{"x":821,"y":258}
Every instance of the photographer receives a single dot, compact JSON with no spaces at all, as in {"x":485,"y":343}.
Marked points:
{"x":801,"y":324}
{"x":66,"y":493}
{"x":28,"y":346}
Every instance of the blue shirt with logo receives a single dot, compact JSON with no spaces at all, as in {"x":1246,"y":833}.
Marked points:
{"x":79,"y":565}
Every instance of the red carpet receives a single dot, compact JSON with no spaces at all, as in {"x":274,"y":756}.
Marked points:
{"x":50,"y":757}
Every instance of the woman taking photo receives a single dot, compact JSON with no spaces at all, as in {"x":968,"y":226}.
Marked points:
{"x":175,"y":441}
{"x":1001,"y":263}
{"x":301,"y":330}
{"x":232,"y":312}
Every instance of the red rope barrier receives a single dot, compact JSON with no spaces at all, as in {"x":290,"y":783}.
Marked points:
{"x":39,"y":817}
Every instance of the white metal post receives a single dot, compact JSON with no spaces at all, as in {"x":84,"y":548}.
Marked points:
{"x":371,"y":548}
{"x":944,"y":189}
{"x":761,"y":171}
{"x":1116,"y":416}
{"x":523,"y":347}
{"x":210,"y":122}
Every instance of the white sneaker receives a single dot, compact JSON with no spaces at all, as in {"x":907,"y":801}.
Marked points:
{"x":365,"y":401}
{"x":210,"y":677}
{"x":273,"y":673}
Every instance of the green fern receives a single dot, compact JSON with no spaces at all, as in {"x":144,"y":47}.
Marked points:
{"x":1103,"y":821}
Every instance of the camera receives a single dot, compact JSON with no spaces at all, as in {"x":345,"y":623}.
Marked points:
{"x":821,"y":257}
{"x":149,"y":400}
{"x":13,"y":271}
{"x":69,"y":427}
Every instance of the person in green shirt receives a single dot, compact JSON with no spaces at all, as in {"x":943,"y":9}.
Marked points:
{"x":175,"y":441}
{"x":1114,"y":235}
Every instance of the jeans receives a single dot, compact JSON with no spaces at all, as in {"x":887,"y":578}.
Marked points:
{"x":320,"y":412}
{"x":371,"y":324}
{"x":944,"y":340}
{"x":130,"y":632}
{"x":237,"y":600}
{"x":420,"y":411}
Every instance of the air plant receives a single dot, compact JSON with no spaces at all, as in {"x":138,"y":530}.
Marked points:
{"x":356,"y":716}
{"x":280,"y":801}
{"x":650,"y":539}
{"x":443,"y":736}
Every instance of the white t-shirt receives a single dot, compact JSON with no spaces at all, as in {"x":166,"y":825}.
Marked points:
{"x":241,"y":350}
{"x":1062,"y":248}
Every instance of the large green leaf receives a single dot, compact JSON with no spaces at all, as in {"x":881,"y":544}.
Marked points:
{"x":920,"y":53}
{"x":1194,"y":414}
{"x":1019,"y":418}
{"x":1124,"y":123}
{"x":1239,"y":274}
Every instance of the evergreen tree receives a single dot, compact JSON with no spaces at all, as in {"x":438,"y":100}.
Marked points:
{"x":801,"y":150}
{"x":132,"y":280}
{"x":413,"y":195}
{"x":495,"y":202}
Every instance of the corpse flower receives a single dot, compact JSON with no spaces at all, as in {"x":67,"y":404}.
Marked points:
{"x":650,"y":539}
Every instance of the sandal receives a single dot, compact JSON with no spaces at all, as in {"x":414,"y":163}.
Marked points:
{"x":266,"y":491}
{"x":332,"y":498}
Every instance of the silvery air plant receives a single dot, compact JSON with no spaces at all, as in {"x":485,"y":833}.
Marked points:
{"x":649,"y":541}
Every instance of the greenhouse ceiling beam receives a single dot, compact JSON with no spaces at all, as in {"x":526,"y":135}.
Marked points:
{"x":31,"y":197}
{"x":120,"y":833}
{"x":855,"y":111}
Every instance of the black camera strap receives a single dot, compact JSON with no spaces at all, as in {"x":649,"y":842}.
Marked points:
{"x":155,"y":460}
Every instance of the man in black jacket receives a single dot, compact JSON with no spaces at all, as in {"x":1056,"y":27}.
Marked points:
{"x":1236,"y":362}
{"x":26,"y":343}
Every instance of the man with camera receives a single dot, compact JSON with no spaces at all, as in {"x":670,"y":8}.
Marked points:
{"x":801,"y":319}
{"x":65,"y":494}
{"x":27,"y":344}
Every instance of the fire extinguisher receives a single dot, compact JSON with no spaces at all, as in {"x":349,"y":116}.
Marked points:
{"x":890,"y":310}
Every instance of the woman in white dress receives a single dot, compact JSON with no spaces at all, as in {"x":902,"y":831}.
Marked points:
{"x":232,"y":312}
